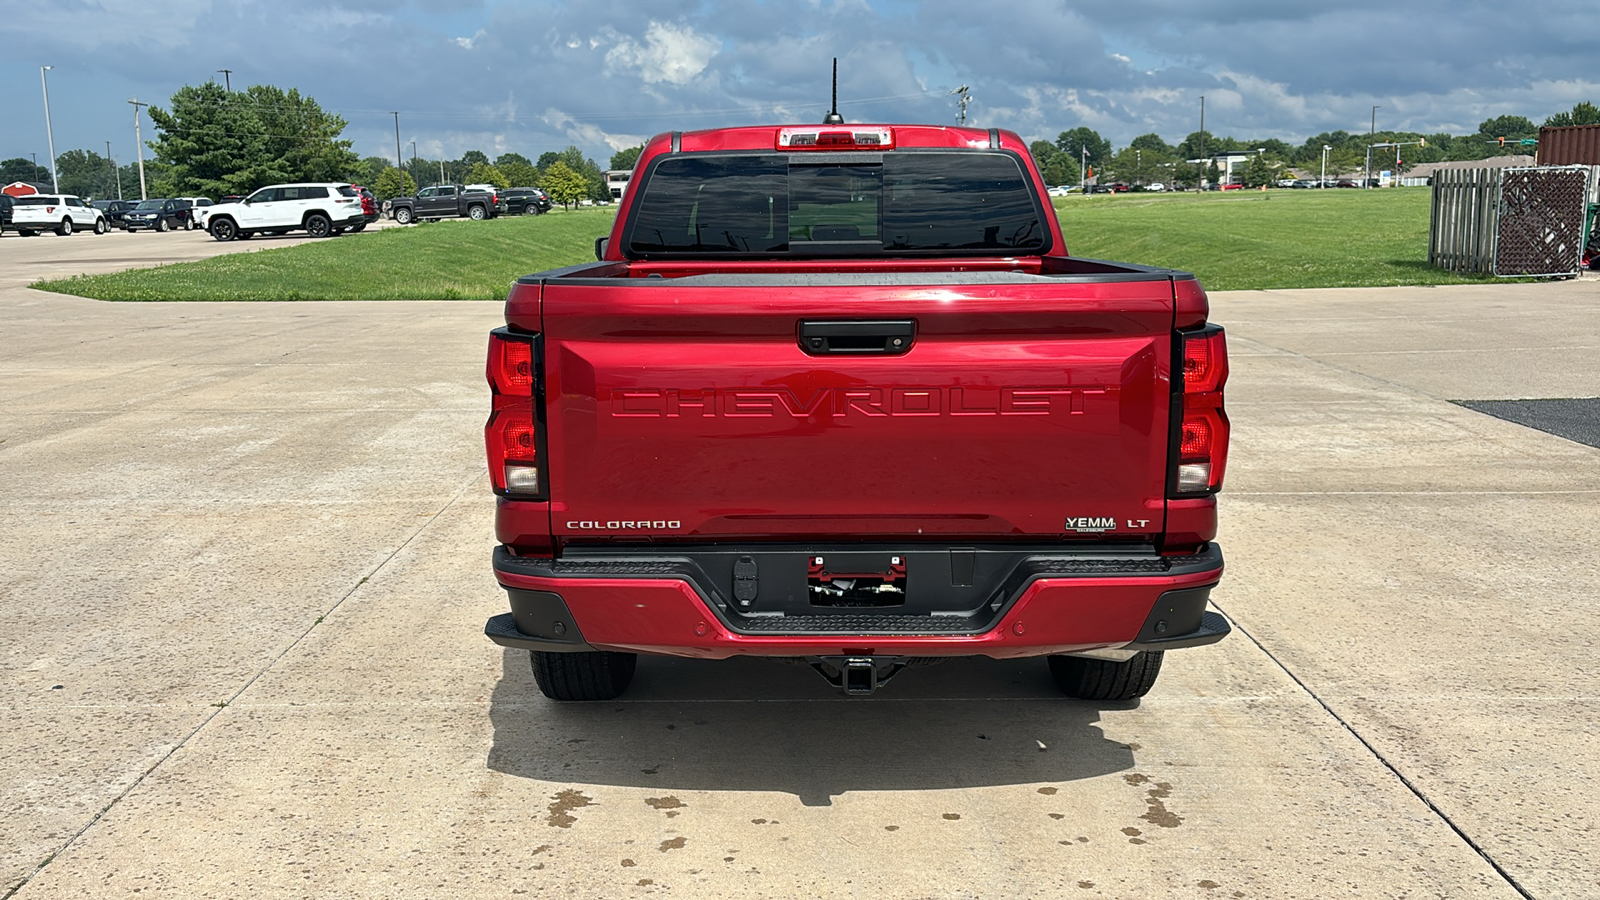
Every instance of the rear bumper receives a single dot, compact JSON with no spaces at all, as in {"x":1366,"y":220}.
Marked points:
{"x":556,"y":608}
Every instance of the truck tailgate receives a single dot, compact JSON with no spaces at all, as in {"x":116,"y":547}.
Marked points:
{"x":693,"y":408}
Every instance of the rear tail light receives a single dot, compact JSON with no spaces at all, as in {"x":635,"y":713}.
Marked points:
{"x":875,"y":137}
{"x":514,"y":436}
{"x":1200,"y":453}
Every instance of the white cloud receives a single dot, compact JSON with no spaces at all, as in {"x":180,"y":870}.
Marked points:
{"x":670,"y":53}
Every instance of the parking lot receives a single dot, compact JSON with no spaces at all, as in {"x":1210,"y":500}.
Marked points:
{"x":246,"y":572}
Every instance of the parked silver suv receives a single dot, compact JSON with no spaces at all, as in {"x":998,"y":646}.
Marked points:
{"x":321,"y":209}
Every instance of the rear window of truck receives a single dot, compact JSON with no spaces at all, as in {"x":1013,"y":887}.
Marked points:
{"x":903,"y":203}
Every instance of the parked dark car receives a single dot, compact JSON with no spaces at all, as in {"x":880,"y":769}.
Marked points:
{"x":5,"y":212}
{"x":369,"y":207}
{"x":115,"y":210}
{"x":159,"y":215}
{"x":526,"y":201}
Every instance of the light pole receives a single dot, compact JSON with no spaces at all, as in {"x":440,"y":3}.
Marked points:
{"x":49,"y":135}
{"x":114,"y":173}
{"x":413,"y":169}
{"x":398,"y":162}
{"x":227,"y":80}
{"x":138,"y":143}
{"x":1324,"y":182}
{"x":1372,"y":131}
{"x":1202,"y":143}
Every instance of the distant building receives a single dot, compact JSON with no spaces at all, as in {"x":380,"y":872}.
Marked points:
{"x":617,"y":182}
{"x":1426,"y":170}
{"x":25,"y":189}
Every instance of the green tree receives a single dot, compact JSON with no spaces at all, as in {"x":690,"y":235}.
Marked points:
{"x":1260,"y":171}
{"x":626,"y":159}
{"x":485,"y":173}
{"x":1079,"y":139}
{"x":519,"y":174}
{"x":473,"y":158}
{"x":369,"y":168}
{"x":565,"y":185}
{"x":87,"y":174}
{"x":23,"y":169}
{"x":1151,"y":143}
{"x":215,"y":142}
{"x":392,"y":183}
{"x":1197,"y":144}
{"x":1584,"y":113}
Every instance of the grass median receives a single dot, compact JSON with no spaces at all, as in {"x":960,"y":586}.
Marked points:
{"x":1249,"y":240}
{"x":451,"y":260}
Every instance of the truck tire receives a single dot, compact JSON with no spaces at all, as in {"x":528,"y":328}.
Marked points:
{"x":476,"y":212}
{"x":318,"y":226}
{"x":65,"y":228}
{"x":595,"y":675}
{"x":402,"y":215}
{"x":1102,"y":679}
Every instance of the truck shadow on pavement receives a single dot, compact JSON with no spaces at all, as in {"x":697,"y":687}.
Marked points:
{"x":761,"y":725}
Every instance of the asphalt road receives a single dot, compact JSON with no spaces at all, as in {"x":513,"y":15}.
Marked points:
{"x":246,"y":571}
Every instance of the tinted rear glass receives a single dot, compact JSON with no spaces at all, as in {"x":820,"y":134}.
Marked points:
{"x":38,"y":201}
{"x":903,"y":203}
{"x":348,"y":191}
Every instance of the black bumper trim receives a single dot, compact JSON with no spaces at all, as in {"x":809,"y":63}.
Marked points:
{"x":502,"y":629}
{"x":1213,"y":627}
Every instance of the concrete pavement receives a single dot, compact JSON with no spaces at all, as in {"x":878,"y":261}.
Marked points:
{"x":246,"y":574}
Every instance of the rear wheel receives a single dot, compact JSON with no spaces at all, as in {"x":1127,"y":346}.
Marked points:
{"x":1103,"y":679}
{"x":246,"y":235}
{"x":595,"y":675}
{"x":188,"y":224}
{"x":477,"y":212}
{"x":402,"y":214}
{"x":65,"y":228}
{"x":318,"y":226}
{"x":224,"y":230}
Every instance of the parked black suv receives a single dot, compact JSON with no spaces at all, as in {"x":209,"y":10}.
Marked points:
{"x":159,"y":215}
{"x":5,"y":212}
{"x":525,"y":201}
{"x":115,"y":210}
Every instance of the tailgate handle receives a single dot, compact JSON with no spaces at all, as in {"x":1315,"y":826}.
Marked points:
{"x":885,"y":337}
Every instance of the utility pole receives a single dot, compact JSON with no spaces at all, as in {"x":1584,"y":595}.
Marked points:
{"x":1372,"y":133}
{"x":227,"y":82}
{"x":398,"y":162}
{"x":49,"y":135}
{"x":961,"y":104}
{"x":1083,"y":168}
{"x":413,"y":169}
{"x":1202,"y":143}
{"x":114,"y":171}
{"x":138,"y":143}
{"x":1324,"y":182}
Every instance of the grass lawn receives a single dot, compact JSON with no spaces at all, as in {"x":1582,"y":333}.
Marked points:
{"x":1249,"y":240}
{"x":450,"y":260}
{"x":1254,"y":240}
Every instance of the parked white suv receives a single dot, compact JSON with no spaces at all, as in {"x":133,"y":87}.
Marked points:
{"x":61,"y":213}
{"x":321,"y":209}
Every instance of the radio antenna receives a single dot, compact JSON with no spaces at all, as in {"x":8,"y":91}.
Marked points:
{"x":833,"y":117}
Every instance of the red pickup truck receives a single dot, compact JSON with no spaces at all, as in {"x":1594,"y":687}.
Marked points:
{"x":838,"y":394}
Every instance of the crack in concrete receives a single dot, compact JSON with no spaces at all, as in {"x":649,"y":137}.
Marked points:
{"x":1394,"y":770}
{"x":218,"y":710}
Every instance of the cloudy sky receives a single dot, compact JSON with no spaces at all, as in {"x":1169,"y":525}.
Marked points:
{"x":536,"y":75}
